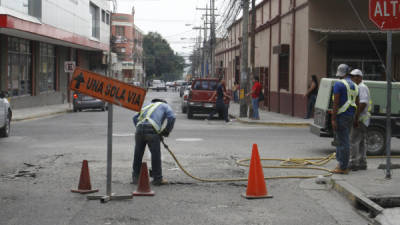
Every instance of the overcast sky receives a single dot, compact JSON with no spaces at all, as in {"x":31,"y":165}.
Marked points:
{"x":173,"y":19}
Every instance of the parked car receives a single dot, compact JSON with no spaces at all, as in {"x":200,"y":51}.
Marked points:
{"x":184,"y":102}
{"x":198,"y":100}
{"x":81,"y":102}
{"x":158,"y":85}
{"x":169,"y":84}
{"x":376,"y":132}
{"x":5,"y":115}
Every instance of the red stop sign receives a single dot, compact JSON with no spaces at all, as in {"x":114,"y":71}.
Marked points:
{"x":385,"y":14}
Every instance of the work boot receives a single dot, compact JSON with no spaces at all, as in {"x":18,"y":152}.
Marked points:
{"x":340,"y":171}
{"x":159,"y":182}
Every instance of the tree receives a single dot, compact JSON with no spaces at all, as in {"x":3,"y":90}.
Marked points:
{"x":160,"y":60}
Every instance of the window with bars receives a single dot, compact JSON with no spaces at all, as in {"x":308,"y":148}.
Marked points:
{"x":19,"y":67}
{"x":120,"y":30}
{"x":47,"y":74}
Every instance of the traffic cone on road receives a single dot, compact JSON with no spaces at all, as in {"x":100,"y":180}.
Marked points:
{"x":256,"y":187}
{"x":143,"y":188}
{"x":84,"y":186}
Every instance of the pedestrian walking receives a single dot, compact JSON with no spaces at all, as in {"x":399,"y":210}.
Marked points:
{"x":255,"y":95}
{"x":220,"y":106}
{"x":358,"y":134}
{"x":235,"y":91}
{"x":345,"y":103}
{"x":311,"y":95}
{"x":148,"y":132}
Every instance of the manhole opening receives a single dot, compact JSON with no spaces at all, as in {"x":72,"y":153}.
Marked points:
{"x":386,"y":201}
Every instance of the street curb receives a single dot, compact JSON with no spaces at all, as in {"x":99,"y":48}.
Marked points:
{"x":274,"y":124}
{"x":40,"y":115}
{"x":357,"y":198}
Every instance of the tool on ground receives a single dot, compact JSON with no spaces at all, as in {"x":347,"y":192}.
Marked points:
{"x":143,"y":188}
{"x":256,"y":187}
{"x":84,"y":186}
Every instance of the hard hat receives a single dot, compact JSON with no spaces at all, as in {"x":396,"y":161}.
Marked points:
{"x":342,"y":70}
{"x":356,"y":72}
{"x":158,"y":100}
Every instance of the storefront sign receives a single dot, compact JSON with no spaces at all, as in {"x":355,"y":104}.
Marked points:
{"x":108,"y":89}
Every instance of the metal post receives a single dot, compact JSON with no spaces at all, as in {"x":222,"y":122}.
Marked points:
{"x":389,"y":103}
{"x":109,"y":148}
{"x":212,"y":37}
{"x":244,"y":58}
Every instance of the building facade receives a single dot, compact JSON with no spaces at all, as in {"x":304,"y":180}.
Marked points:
{"x":37,"y":37}
{"x":295,"y":39}
{"x":123,"y":43}
{"x":139,"y":72}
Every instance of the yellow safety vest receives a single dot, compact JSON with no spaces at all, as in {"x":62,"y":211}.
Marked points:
{"x":145,"y":114}
{"x":351,"y":97}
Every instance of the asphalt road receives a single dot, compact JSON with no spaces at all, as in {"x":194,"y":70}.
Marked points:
{"x":49,"y":152}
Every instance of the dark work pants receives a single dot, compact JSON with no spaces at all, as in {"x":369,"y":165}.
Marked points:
{"x":145,"y":134}
{"x":344,"y":124}
{"x":222,"y":110}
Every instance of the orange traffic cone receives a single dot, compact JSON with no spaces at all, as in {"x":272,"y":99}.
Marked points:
{"x":143,"y":188}
{"x":84,"y":186}
{"x":256,"y":187}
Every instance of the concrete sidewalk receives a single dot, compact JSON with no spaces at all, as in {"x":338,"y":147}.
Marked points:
{"x":269,"y":118}
{"x":41,"y":111}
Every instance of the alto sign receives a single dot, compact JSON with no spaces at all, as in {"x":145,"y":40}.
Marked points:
{"x":385,"y":14}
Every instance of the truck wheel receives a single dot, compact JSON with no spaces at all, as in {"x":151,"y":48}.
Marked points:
{"x":189,"y":113}
{"x":376,"y":141}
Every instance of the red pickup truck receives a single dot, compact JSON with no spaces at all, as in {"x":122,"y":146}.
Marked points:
{"x":199,"y":96}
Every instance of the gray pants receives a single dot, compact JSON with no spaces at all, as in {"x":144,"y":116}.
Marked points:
{"x":358,"y":145}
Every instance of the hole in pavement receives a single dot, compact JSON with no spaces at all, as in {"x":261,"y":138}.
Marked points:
{"x":386,"y":201}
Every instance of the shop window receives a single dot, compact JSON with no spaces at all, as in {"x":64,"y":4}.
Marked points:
{"x":95,"y":14}
{"x":19,"y":67}
{"x":47,"y":74}
{"x":284,"y":71}
{"x":29,"y":7}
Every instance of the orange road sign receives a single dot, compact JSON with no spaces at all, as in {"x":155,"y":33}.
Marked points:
{"x":108,"y":89}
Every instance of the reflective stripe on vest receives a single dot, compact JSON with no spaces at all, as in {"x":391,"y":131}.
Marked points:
{"x":351,"y":97}
{"x":145,"y":114}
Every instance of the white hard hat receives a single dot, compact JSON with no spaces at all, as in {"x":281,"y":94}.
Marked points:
{"x":342,"y":70}
{"x":356,"y":72}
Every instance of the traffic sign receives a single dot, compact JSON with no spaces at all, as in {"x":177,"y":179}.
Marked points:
{"x":108,"y":89}
{"x":69,"y":66}
{"x":385,"y":14}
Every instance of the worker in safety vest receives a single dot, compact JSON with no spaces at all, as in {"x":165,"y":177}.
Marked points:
{"x":344,"y":109}
{"x":358,"y":134}
{"x":149,"y":132}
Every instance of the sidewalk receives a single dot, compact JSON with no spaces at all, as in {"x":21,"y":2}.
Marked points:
{"x":269,"y":118}
{"x":41,"y":111}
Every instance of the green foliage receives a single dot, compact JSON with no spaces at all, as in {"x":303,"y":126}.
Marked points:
{"x":160,"y":61}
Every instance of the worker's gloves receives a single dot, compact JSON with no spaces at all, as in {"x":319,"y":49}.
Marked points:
{"x":164,"y":133}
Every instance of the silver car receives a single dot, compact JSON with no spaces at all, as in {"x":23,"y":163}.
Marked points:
{"x":5,"y":115}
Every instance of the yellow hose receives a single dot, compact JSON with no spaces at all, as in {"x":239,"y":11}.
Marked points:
{"x":314,"y":163}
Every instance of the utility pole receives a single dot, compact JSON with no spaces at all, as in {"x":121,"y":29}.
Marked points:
{"x":252,"y":48}
{"x":205,"y":47}
{"x":212,"y":37}
{"x":244,"y":78}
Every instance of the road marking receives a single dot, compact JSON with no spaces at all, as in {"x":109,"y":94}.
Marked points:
{"x":189,"y":139}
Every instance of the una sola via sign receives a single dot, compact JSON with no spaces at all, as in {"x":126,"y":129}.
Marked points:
{"x":385,"y":14}
{"x":108,"y":89}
